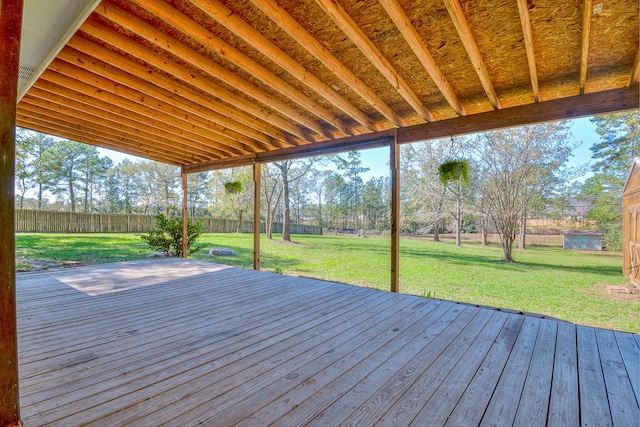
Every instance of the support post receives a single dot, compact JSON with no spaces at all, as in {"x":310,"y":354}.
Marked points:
{"x":185,"y":214}
{"x":256,"y":216}
{"x":10,"y":23}
{"x":395,"y":213}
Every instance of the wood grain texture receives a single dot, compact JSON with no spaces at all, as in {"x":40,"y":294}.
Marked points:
{"x":182,"y":342}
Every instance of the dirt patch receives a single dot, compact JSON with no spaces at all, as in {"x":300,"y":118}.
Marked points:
{"x":605,"y":290}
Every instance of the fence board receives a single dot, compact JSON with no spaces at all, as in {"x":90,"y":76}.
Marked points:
{"x":34,"y":221}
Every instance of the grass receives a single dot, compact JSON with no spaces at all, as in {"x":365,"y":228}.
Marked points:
{"x":547,"y":280}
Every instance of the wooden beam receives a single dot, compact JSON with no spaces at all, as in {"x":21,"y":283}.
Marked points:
{"x":231,"y":114}
{"x":91,"y":139}
{"x":120,"y":135}
{"x":586,"y":32}
{"x":408,"y":31}
{"x":184,"y":74}
{"x":171,"y":124}
{"x":185,"y":213}
{"x":634,"y":76}
{"x":360,"y":142}
{"x":213,"y":69}
{"x":394,"y":162}
{"x":208,"y":133}
{"x":10,"y":23}
{"x":256,"y":215}
{"x":464,"y":31}
{"x":205,"y":118}
{"x":610,"y":101}
{"x":357,"y":37}
{"x":254,"y":38}
{"x":131,"y":126}
{"x":523,"y":10}
{"x":315,"y":48}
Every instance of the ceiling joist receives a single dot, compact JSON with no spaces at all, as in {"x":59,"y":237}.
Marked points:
{"x":340,"y":17}
{"x":523,"y":10}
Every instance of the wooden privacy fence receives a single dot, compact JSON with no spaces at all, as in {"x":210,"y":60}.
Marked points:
{"x":33,"y":221}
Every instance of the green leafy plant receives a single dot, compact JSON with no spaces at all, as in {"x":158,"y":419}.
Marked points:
{"x":233,"y":187}
{"x":454,"y":170}
{"x":167,"y":237}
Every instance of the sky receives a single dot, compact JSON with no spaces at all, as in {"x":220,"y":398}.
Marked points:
{"x":377,"y":159}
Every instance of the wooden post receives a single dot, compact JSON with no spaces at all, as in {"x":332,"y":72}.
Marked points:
{"x":10,"y":22}
{"x":395,"y":213}
{"x":185,"y":214}
{"x":256,"y":216}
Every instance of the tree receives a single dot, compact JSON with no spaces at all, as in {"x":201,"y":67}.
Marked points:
{"x":290,"y":171}
{"x":272,"y":190}
{"x":64,"y":166}
{"x":516,"y":165}
{"x":30,"y":167}
{"x":236,"y":201}
{"x":456,"y":171}
{"x":168,"y":236}
{"x":619,"y":144}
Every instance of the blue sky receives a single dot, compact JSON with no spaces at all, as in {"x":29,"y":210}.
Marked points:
{"x":377,"y":160}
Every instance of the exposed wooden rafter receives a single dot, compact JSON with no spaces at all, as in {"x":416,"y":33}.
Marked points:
{"x":216,"y":71}
{"x":586,"y":32}
{"x":523,"y":10}
{"x":402,"y":22}
{"x":224,"y":16}
{"x":296,"y":31}
{"x":357,"y":37}
{"x":464,"y":31}
{"x":150,"y":58}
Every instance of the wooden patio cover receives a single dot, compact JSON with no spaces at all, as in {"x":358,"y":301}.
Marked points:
{"x":205,"y":84}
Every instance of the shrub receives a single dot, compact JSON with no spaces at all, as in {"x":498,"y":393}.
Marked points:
{"x":167,"y":237}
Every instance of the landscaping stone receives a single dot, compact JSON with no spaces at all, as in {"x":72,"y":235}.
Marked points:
{"x":221,"y":252}
{"x":158,"y":255}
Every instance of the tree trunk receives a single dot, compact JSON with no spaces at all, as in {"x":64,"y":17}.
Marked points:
{"x":436,"y":233}
{"x":522,"y":244}
{"x":72,"y":198}
{"x":286,"y":224}
{"x":39,"y":197}
{"x":458,"y":216}
{"x":484,"y":231}
{"x":239,"y":227}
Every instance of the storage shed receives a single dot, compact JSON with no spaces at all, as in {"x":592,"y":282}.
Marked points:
{"x":582,"y":240}
{"x":631,"y":235}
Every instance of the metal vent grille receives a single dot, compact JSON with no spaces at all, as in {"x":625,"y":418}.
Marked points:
{"x":25,"y":71}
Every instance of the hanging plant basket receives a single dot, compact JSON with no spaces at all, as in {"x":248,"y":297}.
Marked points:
{"x":456,"y":170}
{"x":233,"y":187}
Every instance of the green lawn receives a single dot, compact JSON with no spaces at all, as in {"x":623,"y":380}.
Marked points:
{"x":567,"y":285}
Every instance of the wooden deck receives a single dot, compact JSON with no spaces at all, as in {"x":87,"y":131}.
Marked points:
{"x":187,"y":343}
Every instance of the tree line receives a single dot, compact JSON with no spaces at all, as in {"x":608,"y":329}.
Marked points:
{"x":490,"y":182}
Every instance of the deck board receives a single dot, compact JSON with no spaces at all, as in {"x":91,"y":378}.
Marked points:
{"x":177,"y":342}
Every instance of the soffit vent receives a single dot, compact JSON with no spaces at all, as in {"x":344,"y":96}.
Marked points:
{"x":25,"y":71}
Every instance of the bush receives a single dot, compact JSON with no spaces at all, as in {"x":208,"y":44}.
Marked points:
{"x":168,"y":237}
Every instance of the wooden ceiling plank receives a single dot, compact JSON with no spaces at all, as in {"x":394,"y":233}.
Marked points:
{"x":240,"y":28}
{"x":75,"y":122}
{"x":464,"y":31}
{"x":342,"y":19}
{"x":211,"y":68}
{"x":408,"y":31}
{"x":138,"y":102}
{"x":207,"y":119}
{"x":163,"y":121}
{"x":232,"y":115}
{"x":586,"y":33}
{"x":102,"y":118}
{"x":158,"y":131}
{"x":91,"y":139}
{"x":149,"y":57}
{"x":523,"y":10}
{"x":296,"y":31}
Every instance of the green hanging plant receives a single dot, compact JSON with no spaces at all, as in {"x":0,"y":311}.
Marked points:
{"x":454,"y":170}
{"x":233,"y":187}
